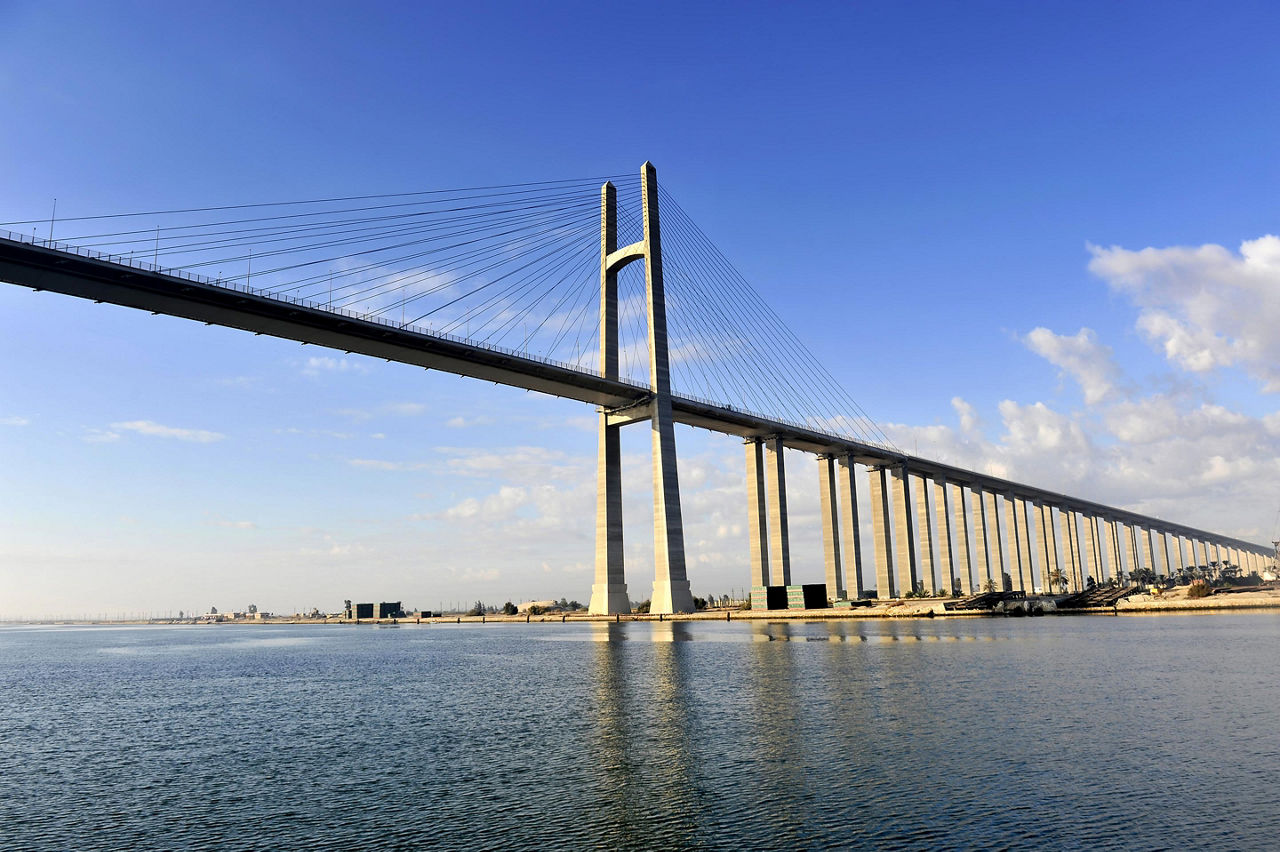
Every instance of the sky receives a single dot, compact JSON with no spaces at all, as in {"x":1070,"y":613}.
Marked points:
{"x":1037,"y":240}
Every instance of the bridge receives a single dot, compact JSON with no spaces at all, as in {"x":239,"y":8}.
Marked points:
{"x":480,"y":267}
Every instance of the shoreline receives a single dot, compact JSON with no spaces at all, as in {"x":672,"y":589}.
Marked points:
{"x":1174,"y":601}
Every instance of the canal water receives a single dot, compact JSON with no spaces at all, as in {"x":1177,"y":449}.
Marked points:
{"x":1157,"y":732}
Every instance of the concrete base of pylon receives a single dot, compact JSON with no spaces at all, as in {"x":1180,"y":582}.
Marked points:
{"x":609,"y":599}
{"x":671,"y":596}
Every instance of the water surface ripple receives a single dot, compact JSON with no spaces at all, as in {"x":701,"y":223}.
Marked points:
{"x":1064,"y":733}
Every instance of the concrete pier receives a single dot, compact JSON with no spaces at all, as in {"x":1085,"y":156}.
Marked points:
{"x":779,"y":537}
{"x":757,"y":514}
{"x":904,"y":531}
{"x":949,"y":581}
{"x":1072,"y":554}
{"x":1111,"y":546}
{"x":1149,"y":550}
{"x":1130,"y":549}
{"x":1166,"y":565}
{"x":852,"y":528}
{"x":961,"y":551}
{"x":1093,"y":549}
{"x":830,"y":512}
{"x":925,"y":534}
{"x":984,"y":524}
{"x":1026,"y":573}
{"x":1002,"y":536}
{"x":1048,"y":538}
{"x":882,"y":533}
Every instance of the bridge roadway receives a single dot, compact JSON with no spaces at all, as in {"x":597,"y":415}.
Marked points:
{"x":77,"y":272}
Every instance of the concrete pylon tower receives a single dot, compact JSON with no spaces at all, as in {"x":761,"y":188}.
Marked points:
{"x":670,"y":585}
{"x":609,"y":594}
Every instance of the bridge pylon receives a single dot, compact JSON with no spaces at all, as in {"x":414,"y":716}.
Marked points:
{"x":670,"y":585}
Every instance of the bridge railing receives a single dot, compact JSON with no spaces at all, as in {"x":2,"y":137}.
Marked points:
{"x":774,"y":418}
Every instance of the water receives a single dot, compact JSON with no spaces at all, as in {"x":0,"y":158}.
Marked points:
{"x":1074,"y":733}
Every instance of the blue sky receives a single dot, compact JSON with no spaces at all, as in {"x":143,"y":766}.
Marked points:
{"x":914,"y":187}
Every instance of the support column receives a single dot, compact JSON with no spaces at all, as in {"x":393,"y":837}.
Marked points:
{"x":1047,"y":537}
{"x":670,"y":584}
{"x":830,"y":527}
{"x":1162,"y":552}
{"x":1112,"y":545}
{"x":609,"y":592}
{"x":779,"y":538}
{"x":1093,"y":548}
{"x":949,"y":582}
{"x":854,"y":587}
{"x":995,"y":546}
{"x":904,"y":532}
{"x":1017,"y":550}
{"x":1130,"y":549}
{"x":1148,"y":546}
{"x":961,"y":553}
{"x":924,"y":533}
{"x":1179,"y":556}
{"x":981,"y":547}
{"x":1072,"y":529}
{"x":881,"y":531}
{"x":1202,"y":552}
{"x":1027,"y":561}
{"x":757,"y":512}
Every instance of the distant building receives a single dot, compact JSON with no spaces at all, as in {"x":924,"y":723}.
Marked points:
{"x":542,"y":605}
{"x":385,"y":609}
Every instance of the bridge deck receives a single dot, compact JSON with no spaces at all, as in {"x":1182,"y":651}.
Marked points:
{"x":65,"y":270}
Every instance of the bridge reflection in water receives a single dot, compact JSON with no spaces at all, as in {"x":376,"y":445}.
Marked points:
{"x":780,"y":731}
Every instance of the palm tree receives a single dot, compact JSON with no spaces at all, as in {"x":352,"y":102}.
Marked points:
{"x":1057,"y":578}
{"x":989,"y":586}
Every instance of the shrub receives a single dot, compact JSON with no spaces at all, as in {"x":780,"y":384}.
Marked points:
{"x":1199,"y":589}
{"x":509,"y":608}
{"x":643,"y":606}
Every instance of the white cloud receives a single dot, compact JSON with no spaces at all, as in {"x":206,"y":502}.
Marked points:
{"x":156,"y":430}
{"x":99,"y":436}
{"x":403,"y":409}
{"x":14,"y":421}
{"x":1204,"y":307}
{"x":969,"y":421}
{"x":383,"y":464}
{"x":468,"y":422}
{"x":316,"y":365}
{"x":1081,"y":356}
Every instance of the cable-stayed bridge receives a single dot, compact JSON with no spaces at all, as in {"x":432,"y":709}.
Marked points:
{"x":582,"y":290}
